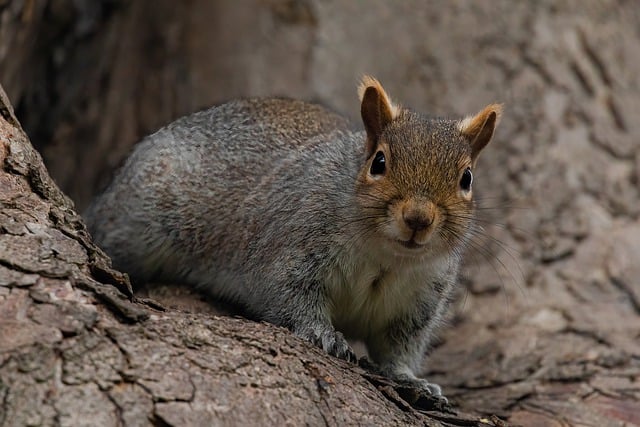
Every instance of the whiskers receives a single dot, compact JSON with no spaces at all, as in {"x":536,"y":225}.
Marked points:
{"x":482,"y":246}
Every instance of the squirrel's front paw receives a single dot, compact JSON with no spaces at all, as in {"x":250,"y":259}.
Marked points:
{"x":331,"y":341}
{"x":431,"y":388}
{"x":421,"y":384}
{"x":407,"y":379}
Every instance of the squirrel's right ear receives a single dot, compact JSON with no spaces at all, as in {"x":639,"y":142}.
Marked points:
{"x":479,"y":129}
{"x":376,"y":109}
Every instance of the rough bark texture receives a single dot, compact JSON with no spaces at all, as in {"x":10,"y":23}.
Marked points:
{"x":547,"y":329}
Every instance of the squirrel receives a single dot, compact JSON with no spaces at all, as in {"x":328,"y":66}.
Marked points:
{"x":281,"y":207}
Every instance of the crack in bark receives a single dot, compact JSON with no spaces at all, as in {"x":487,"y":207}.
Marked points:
{"x":113,"y":298}
{"x":119,"y":410}
{"x":539,"y":69}
{"x":597,"y":63}
{"x":158,"y":421}
{"x":582,"y":78}
{"x":592,"y":335}
{"x":628,"y":292}
{"x":111,"y":337}
{"x":43,"y":273}
{"x":601,"y":70}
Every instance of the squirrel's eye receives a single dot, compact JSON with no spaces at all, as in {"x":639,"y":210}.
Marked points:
{"x":466,"y":180}
{"x":378,"y":164}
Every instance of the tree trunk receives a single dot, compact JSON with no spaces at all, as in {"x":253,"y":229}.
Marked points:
{"x":546,"y":331}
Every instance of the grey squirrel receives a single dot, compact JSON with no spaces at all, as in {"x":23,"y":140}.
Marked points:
{"x":280,"y":207}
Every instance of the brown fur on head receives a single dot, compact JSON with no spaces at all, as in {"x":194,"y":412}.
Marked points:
{"x":416,"y":182}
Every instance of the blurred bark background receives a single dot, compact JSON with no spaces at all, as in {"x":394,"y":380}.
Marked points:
{"x":547,"y":328}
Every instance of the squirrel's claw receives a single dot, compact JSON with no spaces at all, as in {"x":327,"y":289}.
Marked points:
{"x":339,"y":347}
{"x":331,"y":341}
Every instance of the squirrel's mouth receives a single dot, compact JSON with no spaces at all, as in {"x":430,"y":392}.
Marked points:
{"x":410,"y":244}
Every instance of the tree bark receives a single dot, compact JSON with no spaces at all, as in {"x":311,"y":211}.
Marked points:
{"x":547,"y":327}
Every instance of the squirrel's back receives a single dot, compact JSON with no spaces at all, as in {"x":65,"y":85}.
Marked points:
{"x":196,"y":184}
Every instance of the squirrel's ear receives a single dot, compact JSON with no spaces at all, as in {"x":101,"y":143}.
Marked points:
{"x":479,"y":129}
{"x":376,"y":109}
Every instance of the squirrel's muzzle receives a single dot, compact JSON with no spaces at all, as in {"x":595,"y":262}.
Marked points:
{"x":416,"y":219}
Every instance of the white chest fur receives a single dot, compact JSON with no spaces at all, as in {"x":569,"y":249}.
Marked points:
{"x":370,"y":288}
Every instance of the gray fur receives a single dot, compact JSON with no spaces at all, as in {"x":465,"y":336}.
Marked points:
{"x":261,"y":202}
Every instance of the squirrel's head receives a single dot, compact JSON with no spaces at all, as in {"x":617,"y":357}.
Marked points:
{"x":416,"y":182}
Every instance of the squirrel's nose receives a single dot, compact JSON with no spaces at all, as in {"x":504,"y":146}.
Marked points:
{"x":417,"y":222}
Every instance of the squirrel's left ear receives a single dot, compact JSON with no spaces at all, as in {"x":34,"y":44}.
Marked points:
{"x":376,"y":109}
{"x":479,"y":129}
